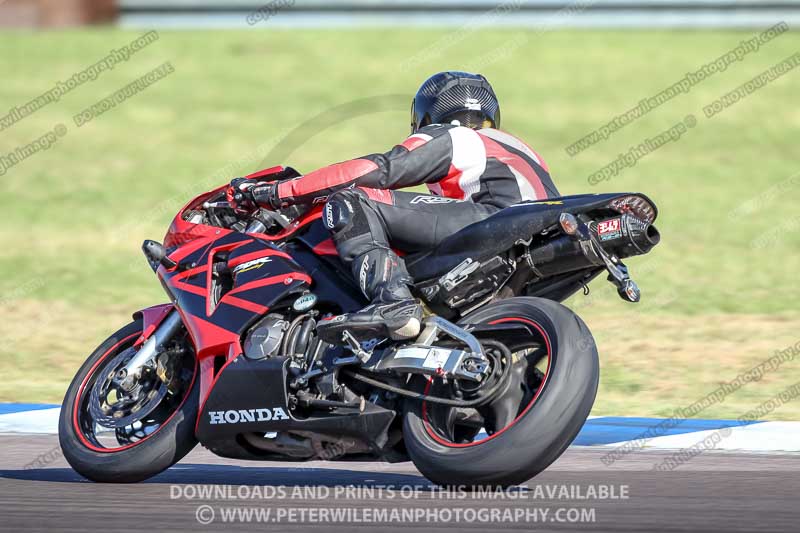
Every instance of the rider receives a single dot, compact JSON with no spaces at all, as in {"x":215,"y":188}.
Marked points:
{"x":472,"y":168}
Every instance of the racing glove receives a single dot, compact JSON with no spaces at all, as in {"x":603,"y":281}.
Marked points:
{"x":247,"y":194}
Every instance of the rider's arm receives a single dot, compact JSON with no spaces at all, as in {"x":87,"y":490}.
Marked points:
{"x":425,"y":157}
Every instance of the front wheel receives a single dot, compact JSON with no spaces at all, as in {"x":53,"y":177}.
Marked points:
{"x":128,"y":436}
{"x":551,"y":391}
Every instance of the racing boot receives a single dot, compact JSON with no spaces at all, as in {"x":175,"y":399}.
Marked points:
{"x":393,"y":312}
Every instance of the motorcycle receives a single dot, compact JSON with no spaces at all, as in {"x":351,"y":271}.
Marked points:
{"x":493,"y":390}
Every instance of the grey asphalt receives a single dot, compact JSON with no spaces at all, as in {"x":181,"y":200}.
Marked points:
{"x":715,"y":491}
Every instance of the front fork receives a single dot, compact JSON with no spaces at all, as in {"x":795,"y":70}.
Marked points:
{"x":128,"y":375}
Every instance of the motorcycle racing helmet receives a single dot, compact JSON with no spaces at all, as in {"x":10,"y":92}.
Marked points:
{"x":453,"y":95}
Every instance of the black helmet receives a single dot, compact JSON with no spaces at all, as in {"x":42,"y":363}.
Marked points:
{"x":454,"y":95}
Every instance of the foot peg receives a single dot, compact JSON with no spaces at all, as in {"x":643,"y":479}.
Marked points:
{"x":629,"y":290}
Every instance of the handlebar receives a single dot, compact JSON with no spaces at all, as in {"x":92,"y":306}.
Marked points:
{"x":258,"y":221}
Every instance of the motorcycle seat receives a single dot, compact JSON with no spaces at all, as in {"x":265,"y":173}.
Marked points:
{"x":502,"y":230}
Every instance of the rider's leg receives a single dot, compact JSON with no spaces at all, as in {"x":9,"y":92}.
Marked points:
{"x":363,"y":223}
{"x":362,"y":242}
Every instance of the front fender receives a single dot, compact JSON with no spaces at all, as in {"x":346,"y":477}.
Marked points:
{"x":151,"y":319}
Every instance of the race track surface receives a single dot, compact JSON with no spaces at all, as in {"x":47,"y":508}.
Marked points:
{"x":714,"y":491}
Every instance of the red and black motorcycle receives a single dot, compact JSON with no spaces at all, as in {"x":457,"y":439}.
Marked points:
{"x":493,"y":390}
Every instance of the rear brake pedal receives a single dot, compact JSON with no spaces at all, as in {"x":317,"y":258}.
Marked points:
{"x":352,"y":343}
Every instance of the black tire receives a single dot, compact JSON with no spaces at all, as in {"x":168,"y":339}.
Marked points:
{"x":542,"y":432}
{"x":154,"y":454}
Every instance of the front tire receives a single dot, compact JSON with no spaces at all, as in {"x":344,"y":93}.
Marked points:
{"x":136,"y":458}
{"x":543,"y":428}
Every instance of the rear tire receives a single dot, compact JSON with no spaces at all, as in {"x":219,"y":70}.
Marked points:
{"x":543,"y":430}
{"x":126,"y":464}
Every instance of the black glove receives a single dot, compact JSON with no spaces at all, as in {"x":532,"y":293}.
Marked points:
{"x":239,"y":194}
{"x":266,"y":194}
{"x":246,"y":195}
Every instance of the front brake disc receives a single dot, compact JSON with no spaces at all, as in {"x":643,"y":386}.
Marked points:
{"x":112,"y":407}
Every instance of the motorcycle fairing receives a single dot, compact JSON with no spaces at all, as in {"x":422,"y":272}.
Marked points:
{"x":265,"y":276}
{"x":214,"y":326}
{"x":246,"y":386}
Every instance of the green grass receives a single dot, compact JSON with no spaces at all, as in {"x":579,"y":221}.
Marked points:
{"x":75,"y":215}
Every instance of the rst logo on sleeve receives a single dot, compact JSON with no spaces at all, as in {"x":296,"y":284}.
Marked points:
{"x":609,"y":229}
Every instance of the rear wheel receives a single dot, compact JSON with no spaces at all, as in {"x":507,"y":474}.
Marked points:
{"x":551,"y":390}
{"x":152,"y":428}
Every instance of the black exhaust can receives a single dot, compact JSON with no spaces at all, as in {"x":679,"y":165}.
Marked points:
{"x":623,"y":236}
{"x":626,"y":235}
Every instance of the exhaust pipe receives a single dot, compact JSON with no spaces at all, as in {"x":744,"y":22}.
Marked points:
{"x":624,"y":236}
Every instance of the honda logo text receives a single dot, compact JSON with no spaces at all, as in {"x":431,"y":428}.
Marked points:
{"x":242,"y":416}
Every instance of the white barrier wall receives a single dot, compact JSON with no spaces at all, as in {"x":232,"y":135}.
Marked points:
{"x":554,"y":13}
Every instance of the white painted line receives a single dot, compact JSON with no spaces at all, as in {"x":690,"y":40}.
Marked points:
{"x":762,"y":437}
{"x":39,"y":421}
